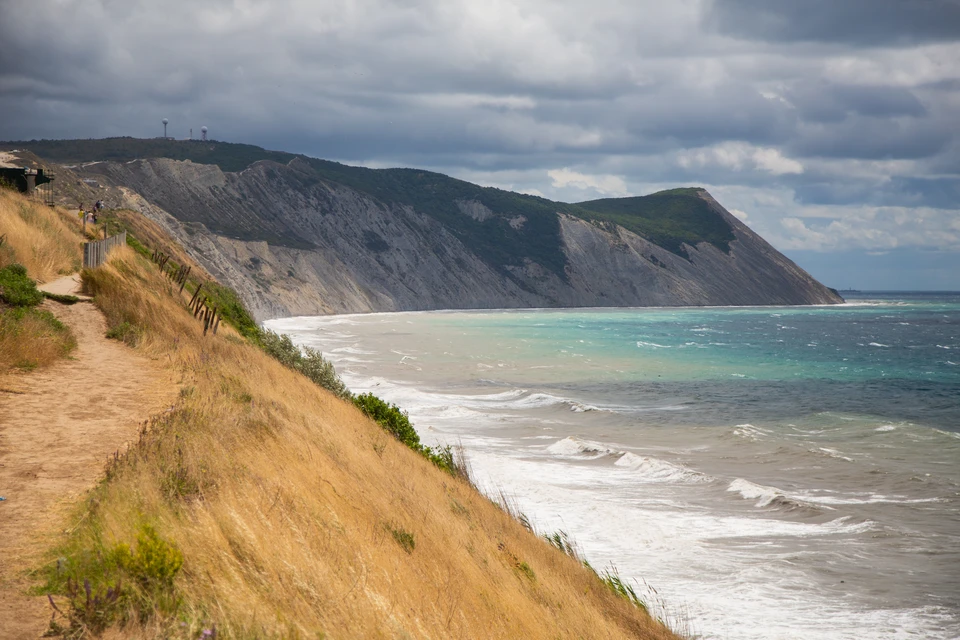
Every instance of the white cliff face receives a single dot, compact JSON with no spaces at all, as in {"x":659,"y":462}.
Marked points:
{"x":293,"y":244}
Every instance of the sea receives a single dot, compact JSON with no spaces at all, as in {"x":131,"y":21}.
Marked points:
{"x":753,"y":472}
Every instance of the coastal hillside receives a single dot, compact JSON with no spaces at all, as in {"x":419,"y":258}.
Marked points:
{"x":253,"y":502}
{"x":295,"y":235}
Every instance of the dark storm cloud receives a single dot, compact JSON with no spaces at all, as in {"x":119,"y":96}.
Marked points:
{"x":898,"y":191}
{"x":940,"y":193}
{"x":858,"y":22}
{"x":827,"y":102}
{"x":873,"y":138}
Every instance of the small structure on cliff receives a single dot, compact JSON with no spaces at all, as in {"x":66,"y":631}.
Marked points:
{"x":30,"y":181}
{"x":25,"y":179}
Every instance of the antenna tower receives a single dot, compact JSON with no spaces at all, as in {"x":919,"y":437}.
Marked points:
{"x":203,"y":133}
{"x":164,"y":121}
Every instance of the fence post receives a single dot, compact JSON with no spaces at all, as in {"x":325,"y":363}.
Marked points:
{"x":196,"y":294}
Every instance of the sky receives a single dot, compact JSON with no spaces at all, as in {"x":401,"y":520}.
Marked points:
{"x":831,"y":127}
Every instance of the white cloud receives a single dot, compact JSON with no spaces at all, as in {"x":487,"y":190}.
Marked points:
{"x":902,"y":67}
{"x":604,"y":184}
{"x":470,"y":100}
{"x":740,"y":156}
{"x":872,"y":229}
{"x":772,"y":161}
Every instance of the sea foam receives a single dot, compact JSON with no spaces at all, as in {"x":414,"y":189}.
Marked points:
{"x":647,"y":468}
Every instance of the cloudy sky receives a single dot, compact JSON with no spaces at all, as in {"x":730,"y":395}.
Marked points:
{"x":831,"y":126}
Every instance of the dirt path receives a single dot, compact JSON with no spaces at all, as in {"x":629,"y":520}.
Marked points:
{"x":58,"y":427}
{"x":67,"y":285}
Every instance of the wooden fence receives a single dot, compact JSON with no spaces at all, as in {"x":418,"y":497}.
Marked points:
{"x":199,"y":304}
{"x":95,"y":253}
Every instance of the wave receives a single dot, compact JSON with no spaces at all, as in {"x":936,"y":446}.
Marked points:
{"x":578,"y":407}
{"x":831,"y":453}
{"x":351,"y":350}
{"x":571,"y":446}
{"x":750,"y":432}
{"x":648,"y":468}
{"x":351,"y":360}
{"x":657,"y":470}
{"x":871,"y":499}
{"x":772,"y":497}
{"x":654,"y":345}
{"x":538,"y":400}
{"x":477,"y":406}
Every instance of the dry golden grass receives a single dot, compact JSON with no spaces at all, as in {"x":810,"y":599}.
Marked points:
{"x":47,"y":241}
{"x":31,"y":338}
{"x":295,"y":513}
{"x":152,"y":235}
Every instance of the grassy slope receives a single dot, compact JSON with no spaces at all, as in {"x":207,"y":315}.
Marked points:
{"x":292,"y":513}
{"x":668,"y":218}
{"x":47,"y":243}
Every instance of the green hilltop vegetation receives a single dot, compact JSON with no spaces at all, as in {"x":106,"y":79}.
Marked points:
{"x":668,"y":218}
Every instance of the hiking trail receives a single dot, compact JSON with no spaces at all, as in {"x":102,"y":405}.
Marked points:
{"x":58,"y":428}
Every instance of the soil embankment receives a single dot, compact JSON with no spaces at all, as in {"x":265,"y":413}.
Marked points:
{"x":58,"y":427}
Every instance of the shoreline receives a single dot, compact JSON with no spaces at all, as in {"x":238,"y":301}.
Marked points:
{"x":833,"y":305}
{"x":524,"y":490}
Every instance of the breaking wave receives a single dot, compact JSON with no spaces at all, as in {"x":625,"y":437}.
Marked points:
{"x":646,"y":467}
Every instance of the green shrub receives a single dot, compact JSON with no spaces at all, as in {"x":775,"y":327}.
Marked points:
{"x":442,"y":457}
{"x":309,"y":362}
{"x":127,"y":333}
{"x":396,"y":422}
{"x":17,"y":289}
{"x":391,"y":418}
{"x":136,"y":245}
{"x":527,"y":572}
{"x":104,"y":586}
{"x":404,"y":538}
{"x":231,"y":309}
{"x":62,"y":298}
{"x":154,"y":564}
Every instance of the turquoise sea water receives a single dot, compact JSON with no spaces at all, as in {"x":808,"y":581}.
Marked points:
{"x":773,"y":472}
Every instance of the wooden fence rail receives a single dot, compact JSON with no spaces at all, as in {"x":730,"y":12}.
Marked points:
{"x":199,"y":304}
{"x":95,"y":253}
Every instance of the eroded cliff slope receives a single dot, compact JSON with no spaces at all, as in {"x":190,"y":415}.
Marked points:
{"x":300,"y":236}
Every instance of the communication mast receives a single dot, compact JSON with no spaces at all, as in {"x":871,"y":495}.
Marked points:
{"x":164,"y":121}
{"x":203,"y":133}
